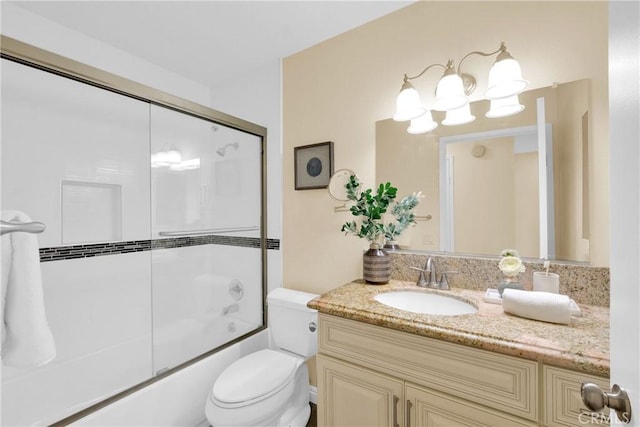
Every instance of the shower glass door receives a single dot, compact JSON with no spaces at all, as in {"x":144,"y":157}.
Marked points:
{"x":153,"y":250}
{"x":75,"y":158}
{"x":206,"y":215}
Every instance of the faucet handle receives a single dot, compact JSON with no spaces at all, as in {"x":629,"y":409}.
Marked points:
{"x":422,"y":281}
{"x":444,"y":280}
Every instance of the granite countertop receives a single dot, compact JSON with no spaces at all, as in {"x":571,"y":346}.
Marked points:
{"x":583,"y":345}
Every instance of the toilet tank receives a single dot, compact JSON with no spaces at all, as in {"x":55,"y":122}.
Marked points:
{"x":291,"y":323}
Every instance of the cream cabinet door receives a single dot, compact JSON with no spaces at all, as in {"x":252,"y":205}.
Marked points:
{"x":425,"y":407}
{"x":563,"y":403}
{"x":350,"y":396}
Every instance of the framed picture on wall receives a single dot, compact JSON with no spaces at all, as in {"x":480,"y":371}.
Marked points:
{"x":313,"y":165}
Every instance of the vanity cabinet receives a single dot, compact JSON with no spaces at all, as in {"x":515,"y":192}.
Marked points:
{"x":355,"y":396}
{"x":375,"y":376}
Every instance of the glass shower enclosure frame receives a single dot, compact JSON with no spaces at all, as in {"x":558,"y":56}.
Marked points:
{"x":205,"y":213}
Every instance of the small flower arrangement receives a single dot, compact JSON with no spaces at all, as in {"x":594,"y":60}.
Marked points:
{"x":511,"y":264}
{"x":371,"y":206}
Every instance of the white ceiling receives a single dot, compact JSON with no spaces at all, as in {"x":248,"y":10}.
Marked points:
{"x":211,"y":41}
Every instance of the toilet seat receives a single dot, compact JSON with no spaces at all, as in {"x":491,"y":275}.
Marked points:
{"x":254,"y":378}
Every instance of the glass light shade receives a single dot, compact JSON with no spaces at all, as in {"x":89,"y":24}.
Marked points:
{"x":459,"y":116}
{"x":408,"y":105}
{"x":449,"y":93}
{"x":504,"y":107}
{"x":505,"y":79}
{"x":422,"y":124}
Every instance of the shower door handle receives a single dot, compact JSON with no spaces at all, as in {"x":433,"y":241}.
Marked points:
{"x":25,"y":227}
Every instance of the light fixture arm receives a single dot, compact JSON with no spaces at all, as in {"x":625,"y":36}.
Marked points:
{"x":502,"y":50}
{"x":407,"y":78}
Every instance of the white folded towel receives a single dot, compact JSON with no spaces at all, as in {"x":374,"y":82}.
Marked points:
{"x":545,"y":306}
{"x":27,"y":340}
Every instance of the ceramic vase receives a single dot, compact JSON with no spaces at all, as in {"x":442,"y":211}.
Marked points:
{"x":391,"y":245}
{"x":376,"y":265}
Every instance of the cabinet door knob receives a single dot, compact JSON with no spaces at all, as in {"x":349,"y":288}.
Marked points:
{"x":595,"y":399}
{"x":409,"y":405}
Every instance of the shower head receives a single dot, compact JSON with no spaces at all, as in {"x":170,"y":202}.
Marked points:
{"x":222,"y":150}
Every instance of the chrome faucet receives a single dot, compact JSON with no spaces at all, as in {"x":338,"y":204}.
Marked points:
{"x":430,"y":267}
{"x":432,"y":282}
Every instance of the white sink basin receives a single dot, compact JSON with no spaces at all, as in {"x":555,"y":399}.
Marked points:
{"x":425,"y":303}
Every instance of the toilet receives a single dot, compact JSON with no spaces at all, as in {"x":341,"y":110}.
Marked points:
{"x":270,"y":388}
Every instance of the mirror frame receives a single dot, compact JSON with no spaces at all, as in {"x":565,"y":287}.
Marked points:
{"x":556,"y":212}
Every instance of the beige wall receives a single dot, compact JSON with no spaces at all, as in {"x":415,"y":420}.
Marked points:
{"x":526,"y":203}
{"x":338,"y":89}
{"x":572,"y":104}
{"x":410,"y":162}
{"x":485,"y":219}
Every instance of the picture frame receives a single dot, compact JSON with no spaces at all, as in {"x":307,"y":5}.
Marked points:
{"x":313,"y":165}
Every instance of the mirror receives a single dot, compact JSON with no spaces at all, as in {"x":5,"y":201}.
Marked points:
{"x":338,"y":190}
{"x":337,"y":184}
{"x":513,"y":182}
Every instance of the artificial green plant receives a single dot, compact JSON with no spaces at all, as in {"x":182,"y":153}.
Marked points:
{"x":403,"y":213}
{"x":371,"y":206}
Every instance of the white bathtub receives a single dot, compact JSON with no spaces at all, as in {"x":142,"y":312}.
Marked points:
{"x":47,"y":394}
{"x":177,"y":400}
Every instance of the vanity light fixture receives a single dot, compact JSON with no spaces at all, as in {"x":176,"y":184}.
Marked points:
{"x":453,"y":89}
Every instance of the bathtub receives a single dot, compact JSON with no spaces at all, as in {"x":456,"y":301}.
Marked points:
{"x":178,"y":399}
{"x":55,"y":391}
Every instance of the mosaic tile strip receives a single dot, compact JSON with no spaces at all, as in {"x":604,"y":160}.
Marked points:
{"x":89,"y":250}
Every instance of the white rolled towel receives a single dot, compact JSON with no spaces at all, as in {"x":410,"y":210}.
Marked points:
{"x":545,"y":306}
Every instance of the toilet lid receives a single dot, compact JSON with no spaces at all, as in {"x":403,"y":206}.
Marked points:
{"x":255,"y":375}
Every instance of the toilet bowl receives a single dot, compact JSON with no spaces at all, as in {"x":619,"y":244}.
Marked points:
{"x":270,"y":387}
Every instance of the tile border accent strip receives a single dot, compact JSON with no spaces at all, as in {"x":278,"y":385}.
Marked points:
{"x":88,"y":250}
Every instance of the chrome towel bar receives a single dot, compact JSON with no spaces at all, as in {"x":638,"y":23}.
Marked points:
{"x":25,"y":227}
{"x":203,"y":232}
